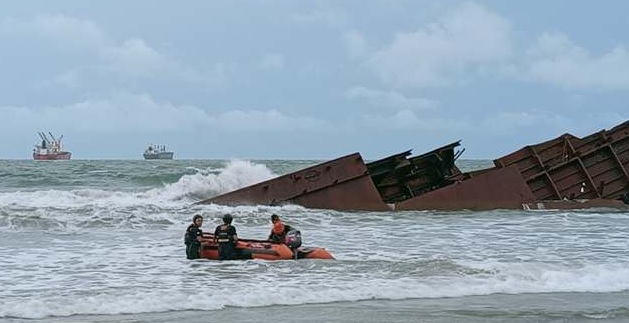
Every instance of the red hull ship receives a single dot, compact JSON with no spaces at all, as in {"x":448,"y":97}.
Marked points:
{"x":50,"y":149}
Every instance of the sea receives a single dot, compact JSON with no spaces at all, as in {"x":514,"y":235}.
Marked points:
{"x":102,"y":241}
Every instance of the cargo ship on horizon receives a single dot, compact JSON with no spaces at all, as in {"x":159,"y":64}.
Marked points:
{"x":157,"y":152}
{"x":50,"y":148}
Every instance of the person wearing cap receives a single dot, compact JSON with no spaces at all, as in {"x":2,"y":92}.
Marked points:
{"x":226,"y":238}
{"x":193,"y":237}
{"x":279,"y":230}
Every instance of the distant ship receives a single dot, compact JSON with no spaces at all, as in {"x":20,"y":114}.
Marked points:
{"x":157,"y":152}
{"x":50,"y":148}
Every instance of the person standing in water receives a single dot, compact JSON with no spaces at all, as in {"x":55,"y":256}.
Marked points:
{"x":193,"y":237}
{"x":226,"y":237}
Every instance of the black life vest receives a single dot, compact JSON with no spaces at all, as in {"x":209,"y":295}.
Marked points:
{"x":223,"y":234}
{"x":191,"y":235}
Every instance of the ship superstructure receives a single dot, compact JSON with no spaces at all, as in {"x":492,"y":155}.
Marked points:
{"x":51,"y":148}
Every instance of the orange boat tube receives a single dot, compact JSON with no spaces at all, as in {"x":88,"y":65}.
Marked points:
{"x":263,"y":249}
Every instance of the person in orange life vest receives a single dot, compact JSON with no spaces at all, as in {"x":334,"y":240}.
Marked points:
{"x":226,"y":238}
{"x":193,"y":237}
{"x":279,"y":230}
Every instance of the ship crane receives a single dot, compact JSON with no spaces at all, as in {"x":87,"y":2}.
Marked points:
{"x":55,"y":142}
{"x":53,"y":138}
{"x":45,"y":141}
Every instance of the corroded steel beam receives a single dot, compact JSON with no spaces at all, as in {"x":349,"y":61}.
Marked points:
{"x":500,"y":188}
{"x":567,"y":167}
{"x":342,"y":184}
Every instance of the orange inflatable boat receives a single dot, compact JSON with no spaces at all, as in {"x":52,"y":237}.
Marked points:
{"x":263,"y":249}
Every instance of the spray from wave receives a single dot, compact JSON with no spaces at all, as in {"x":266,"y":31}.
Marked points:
{"x":212,"y":182}
{"x":51,"y":209}
{"x":204,"y":183}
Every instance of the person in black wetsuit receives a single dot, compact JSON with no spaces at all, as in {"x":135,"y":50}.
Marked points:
{"x":226,"y":238}
{"x":193,"y":236}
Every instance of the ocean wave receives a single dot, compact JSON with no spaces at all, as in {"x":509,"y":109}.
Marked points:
{"x":147,"y":189}
{"x":269,"y":284}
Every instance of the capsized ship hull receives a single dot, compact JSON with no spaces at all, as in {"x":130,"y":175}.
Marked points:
{"x":565,"y":172}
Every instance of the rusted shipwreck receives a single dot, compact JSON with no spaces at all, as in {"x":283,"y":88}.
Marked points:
{"x":562,"y":173}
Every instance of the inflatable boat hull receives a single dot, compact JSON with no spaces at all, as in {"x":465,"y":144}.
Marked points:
{"x":261,"y":249}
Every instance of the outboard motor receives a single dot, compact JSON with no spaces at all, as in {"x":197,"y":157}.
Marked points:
{"x":293,"y":239}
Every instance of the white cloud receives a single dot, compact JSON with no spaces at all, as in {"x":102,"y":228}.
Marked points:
{"x":386,"y":101}
{"x":272,"y":61}
{"x":137,"y":113}
{"x":360,"y":70}
{"x":440,"y":52}
{"x":134,"y":57}
{"x":546,"y":125}
{"x":120,"y":113}
{"x":68,"y":79}
{"x":328,"y":17}
{"x":355,"y":44}
{"x":61,"y":32}
{"x":78,"y":51}
{"x":71,"y":31}
{"x":515,"y":121}
{"x":268,"y":121}
{"x":530,"y":127}
{"x":407,"y":120}
{"x":556,"y":60}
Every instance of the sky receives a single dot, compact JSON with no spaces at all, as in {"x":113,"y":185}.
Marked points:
{"x":308,"y":79}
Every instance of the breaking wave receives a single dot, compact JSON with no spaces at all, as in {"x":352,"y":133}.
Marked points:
{"x":172,"y":189}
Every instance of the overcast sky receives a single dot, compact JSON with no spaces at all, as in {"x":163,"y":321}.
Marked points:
{"x":308,"y":79}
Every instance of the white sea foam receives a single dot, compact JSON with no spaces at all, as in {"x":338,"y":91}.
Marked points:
{"x":269,"y":289}
{"x":101,"y":250}
{"x":203,"y":184}
{"x":235,"y":175}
